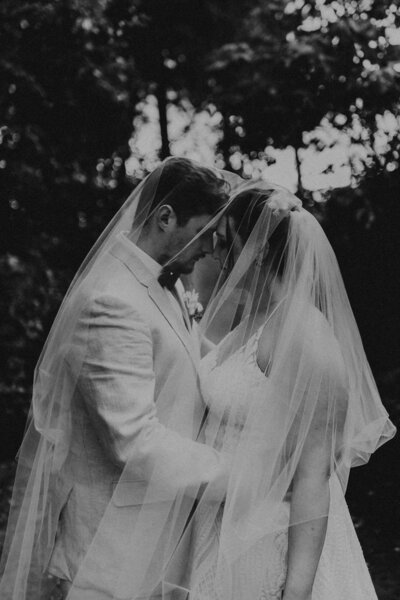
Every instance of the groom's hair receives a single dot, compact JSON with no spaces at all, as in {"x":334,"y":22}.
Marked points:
{"x":190,"y":189}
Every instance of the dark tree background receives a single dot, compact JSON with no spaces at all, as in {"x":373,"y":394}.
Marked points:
{"x":73,"y":76}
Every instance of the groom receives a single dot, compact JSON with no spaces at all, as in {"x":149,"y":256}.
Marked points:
{"x":139,"y":353}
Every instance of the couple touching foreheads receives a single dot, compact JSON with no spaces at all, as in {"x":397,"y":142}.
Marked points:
{"x":171,"y":459}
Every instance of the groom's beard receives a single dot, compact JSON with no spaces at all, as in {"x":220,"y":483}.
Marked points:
{"x":184,"y":267}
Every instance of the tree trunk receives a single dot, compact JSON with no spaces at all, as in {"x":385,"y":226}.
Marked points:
{"x":300,"y":188}
{"x":162,"y":111}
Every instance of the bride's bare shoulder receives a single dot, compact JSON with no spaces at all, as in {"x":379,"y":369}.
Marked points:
{"x":316,"y":338}
{"x":306,"y":334}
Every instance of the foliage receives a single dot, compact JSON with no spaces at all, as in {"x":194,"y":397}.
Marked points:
{"x":290,"y":64}
{"x":361,"y":223}
{"x":66,"y":122}
{"x":168,"y":42}
{"x":72,"y":74}
{"x":64,"y":114}
{"x":362,"y":226}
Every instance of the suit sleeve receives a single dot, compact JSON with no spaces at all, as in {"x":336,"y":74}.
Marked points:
{"x":117,"y":382}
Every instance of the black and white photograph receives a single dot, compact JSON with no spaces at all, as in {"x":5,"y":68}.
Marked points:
{"x":200,"y":331}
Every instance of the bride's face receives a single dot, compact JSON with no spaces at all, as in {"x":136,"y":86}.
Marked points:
{"x":226,"y":240}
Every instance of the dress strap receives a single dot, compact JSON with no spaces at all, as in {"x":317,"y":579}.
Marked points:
{"x":253,"y":341}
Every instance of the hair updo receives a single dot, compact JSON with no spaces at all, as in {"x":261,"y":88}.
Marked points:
{"x":245,"y":210}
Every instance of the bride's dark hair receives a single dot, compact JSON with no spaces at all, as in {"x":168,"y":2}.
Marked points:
{"x":245,"y":210}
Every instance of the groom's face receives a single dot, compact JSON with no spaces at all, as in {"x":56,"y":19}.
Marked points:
{"x":189,"y":242}
{"x":226,"y":241}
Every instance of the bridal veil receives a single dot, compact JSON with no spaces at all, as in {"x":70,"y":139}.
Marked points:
{"x":51,"y":462}
{"x":284,"y":286}
{"x":280,"y":319}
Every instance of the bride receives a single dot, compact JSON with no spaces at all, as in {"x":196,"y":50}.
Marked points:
{"x":291,"y":404}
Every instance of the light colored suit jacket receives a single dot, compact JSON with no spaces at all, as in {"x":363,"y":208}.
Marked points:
{"x":134,"y":344}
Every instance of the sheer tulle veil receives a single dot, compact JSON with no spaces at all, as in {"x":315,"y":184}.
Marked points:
{"x":50,"y":456}
{"x":280,"y":320}
{"x":311,"y":385}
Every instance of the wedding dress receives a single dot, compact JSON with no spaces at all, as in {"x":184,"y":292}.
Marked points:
{"x":291,"y":401}
{"x":342,"y":573}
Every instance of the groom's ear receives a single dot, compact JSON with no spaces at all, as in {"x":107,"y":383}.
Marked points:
{"x":166,"y":217}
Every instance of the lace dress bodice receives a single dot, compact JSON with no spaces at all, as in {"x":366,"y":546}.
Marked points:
{"x":228,"y":389}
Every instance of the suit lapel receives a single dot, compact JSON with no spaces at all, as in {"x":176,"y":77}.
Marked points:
{"x":180,"y":290}
{"x":160,"y":299}
{"x":124,"y":250}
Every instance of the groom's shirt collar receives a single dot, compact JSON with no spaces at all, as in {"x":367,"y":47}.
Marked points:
{"x":152,"y":265}
{"x":155,"y":269}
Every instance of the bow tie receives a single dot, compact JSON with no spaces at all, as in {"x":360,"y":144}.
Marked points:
{"x":168,"y":279}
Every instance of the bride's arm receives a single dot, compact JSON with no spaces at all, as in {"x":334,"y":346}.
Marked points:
{"x":310,"y":490}
{"x":307,"y":536}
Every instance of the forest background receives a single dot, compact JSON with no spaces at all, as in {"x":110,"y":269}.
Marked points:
{"x":93,"y":94}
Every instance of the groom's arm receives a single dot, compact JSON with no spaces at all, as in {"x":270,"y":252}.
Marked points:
{"x":117,"y":382}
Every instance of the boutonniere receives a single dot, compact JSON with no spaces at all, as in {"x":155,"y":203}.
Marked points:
{"x":194,"y":307}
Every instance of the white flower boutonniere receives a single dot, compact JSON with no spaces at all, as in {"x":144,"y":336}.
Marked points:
{"x":194,"y":307}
